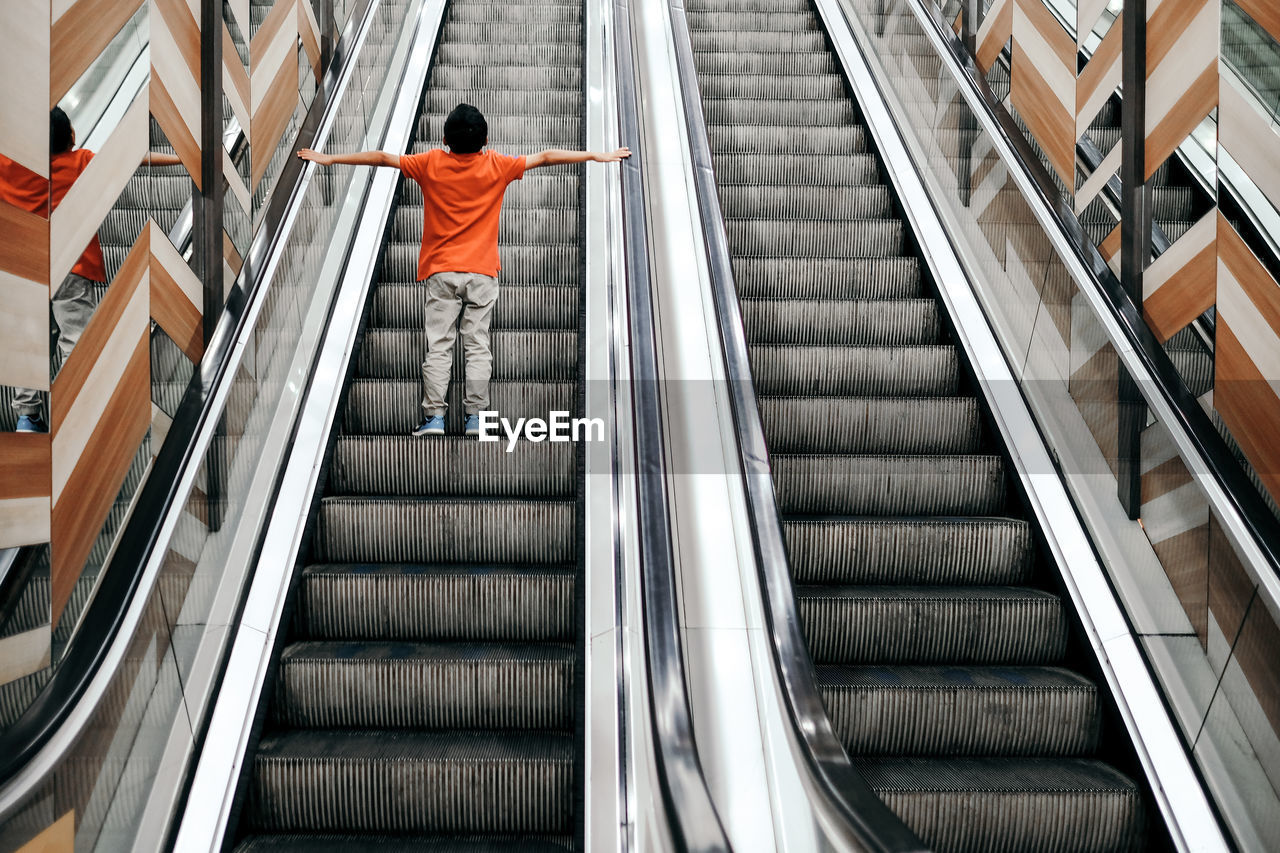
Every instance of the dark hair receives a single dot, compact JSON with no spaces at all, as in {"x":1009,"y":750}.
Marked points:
{"x":59,"y":131}
{"x":465,"y":130}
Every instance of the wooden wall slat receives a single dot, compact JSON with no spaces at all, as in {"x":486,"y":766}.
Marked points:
{"x":24,"y":250}
{"x":1250,"y":138}
{"x":1183,"y":282}
{"x":175,"y":128}
{"x":1265,"y":12}
{"x":182,"y":31}
{"x":1198,"y":101}
{"x":24,"y":488}
{"x":176,"y":296}
{"x":24,"y":99}
{"x":272,"y":118}
{"x":79,"y":37}
{"x":994,"y":33}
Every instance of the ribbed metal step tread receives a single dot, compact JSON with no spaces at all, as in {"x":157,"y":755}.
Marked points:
{"x":830,"y":170}
{"x":429,"y":530}
{"x":300,"y":843}
{"x":829,"y":278}
{"x":416,"y":601}
{"x":788,"y":238}
{"x":402,"y":781}
{"x":544,"y":355}
{"x":867,"y":201}
{"x":403,"y":306}
{"x":394,"y":406}
{"x":770,"y":86}
{"x":977,"y":804}
{"x":932,"y":425}
{"x":914,"y":371}
{"x":396,"y":685}
{"x":455,"y":465}
{"x":932,"y":624}
{"x":765,"y":63}
{"x":960,"y":710}
{"x":889,"y":485}
{"x":843,"y":322}
{"x":978,"y":551}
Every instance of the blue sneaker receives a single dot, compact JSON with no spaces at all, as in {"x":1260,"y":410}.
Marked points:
{"x":31,"y":423}
{"x":431,"y":426}
{"x":473,"y":425}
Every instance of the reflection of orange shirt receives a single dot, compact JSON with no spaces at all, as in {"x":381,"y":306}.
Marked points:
{"x":23,"y":188}
{"x":462,"y":199}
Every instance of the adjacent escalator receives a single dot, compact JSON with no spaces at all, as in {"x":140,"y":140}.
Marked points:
{"x":427,"y":695}
{"x":943,"y":648}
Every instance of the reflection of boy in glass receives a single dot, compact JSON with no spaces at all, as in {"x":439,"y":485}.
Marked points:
{"x":72,"y":303}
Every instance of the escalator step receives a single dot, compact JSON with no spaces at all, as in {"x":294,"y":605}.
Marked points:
{"x":455,"y":465}
{"x":772,"y":170}
{"x":933,"y":425}
{"x":402,"y":685}
{"x":789,"y":238}
{"x":809,"y":41}
{"x":299,"y":843}
{"x":977,"y":804}
{"x":461,"y":530}
{"x":510,"y":33}
{"x":844,"y":323}
{"x":498,"y":104}
{"x":403,"y":306}
{"x":538,"y":355}
{"x":810,"y":202}
{"x":509,"y":77}
{"x":765,"y":63}
{"x":547,"y":131}
{"x":394,"y":407}
{"x":960,"y":710}
{"x":398,"y":781}
{"x":932,"y":624}
{"x":544,"y":54}
{"x":543,"y":13}
{"x":831,"y":278}
{"x":745,"y":85}
{"x":437,"y":602}
{"x":978,"y":551}
{"x":889,"y":485}
{"x":849,"y":371}
{"x":740,"y":19}
{"x":814,"y":113}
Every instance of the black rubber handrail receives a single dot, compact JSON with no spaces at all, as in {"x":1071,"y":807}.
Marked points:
{"x":1190,"y":418}
{"x":862,"y":816}
{"x":692,"y":817}
{"x":104,"y":615}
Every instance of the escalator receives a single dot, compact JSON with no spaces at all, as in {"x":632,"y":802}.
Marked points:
{"x":943,"y":646}
{"x":428,"y":690}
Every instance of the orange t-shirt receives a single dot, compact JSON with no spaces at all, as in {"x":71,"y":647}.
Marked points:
{"x":23,"y":188}
{"x":462,"y":199}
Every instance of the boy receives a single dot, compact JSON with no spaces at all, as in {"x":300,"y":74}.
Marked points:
{"x":72,"y":303}
{"x":462,"y":192}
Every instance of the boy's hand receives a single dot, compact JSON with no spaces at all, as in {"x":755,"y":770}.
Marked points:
{"x":316,"y":157}
{"x":613,"y":156}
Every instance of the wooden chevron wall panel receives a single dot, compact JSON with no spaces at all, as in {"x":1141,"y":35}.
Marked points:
{"x":24,"y":489}
{"x":24,"y":66}
{"x":994,"y":33}
{"x":1250,"y":138}
{"x":176,"y":295}
{"x":1043,"y":76}
{"x":105,"y":380}
{"x":1265,"y":12}
{"x":1182,"y":283}
{"x":1183,"y":38}
{"x":235,"y":82}
{"x":1247,"y":356}
{"x":24,"y":298}
{"x":273,"y":82}
{"x":175,"y":78}
{"x":81,"y":31}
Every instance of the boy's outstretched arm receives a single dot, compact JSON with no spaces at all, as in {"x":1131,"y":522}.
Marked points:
{"x":556,"y":156}
{"x":360,"y":158}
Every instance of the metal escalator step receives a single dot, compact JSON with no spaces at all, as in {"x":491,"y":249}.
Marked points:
{"x":974,"y":551}
{"x":403,"y":306}
{"x":510,"y":33}
{"x":812,"y":238}
{"x":445,"y":530}
{"x":846,"y":322}
{"x":508,"y":76}
{"x":832,"y":278}
{"x":932,"y":624}
{"x":960,"y":805}
{"x":829,"y":170}
{"x":343,"y":685}
{"x":529,"y":227}
{"x":547,"y":130}
{"x":765,"y":63}
{"x":771,"y":86}
{"x":498,"y":104}
{"x":755,"y":139}
{"x":395,"y":781}
{"x":530,"y":354}
{"x":739,"y":19}
{"x":889,"y":485}
{"x":960,"y":710}
{"x":854,"y":371}
{"x":548,"y":193}
{"x":871,"y":201}
{"x":394,"y":407}
{"x":332,"y":843}
{"x":521,"y":265}
{"x":809,"y":41}
{"x":750,"y":5}
{"x":798,"y":113}
{"x":871,"y":424}
{"x":453,"y":465}
{"x":510,"y":13}
{"x":545,"y":55}
{"x":394,"y":601}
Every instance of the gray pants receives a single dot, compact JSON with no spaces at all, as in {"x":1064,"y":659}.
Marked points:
{"x":72,"y":306}
{"x":474,"y":295}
